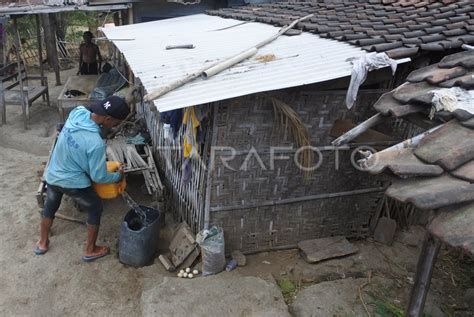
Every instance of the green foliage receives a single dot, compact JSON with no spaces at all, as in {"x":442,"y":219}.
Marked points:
{"x":288,"y":290}
{"x":384,"y":308}
{"x":286,"y":286}
{"x":83,"y":18}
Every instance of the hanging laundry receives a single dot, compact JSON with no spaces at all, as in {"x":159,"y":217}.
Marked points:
{"x":174,"y":118}
{"x":190,"y":146}
{"x":186,"y":171}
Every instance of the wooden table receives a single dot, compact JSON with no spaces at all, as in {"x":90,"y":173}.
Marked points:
{"x":84,"y":83}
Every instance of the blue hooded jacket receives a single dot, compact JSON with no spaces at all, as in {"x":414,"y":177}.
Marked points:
{"x":79,"y":154}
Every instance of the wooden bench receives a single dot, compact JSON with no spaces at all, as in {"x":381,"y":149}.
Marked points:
{"x":11,"y":94}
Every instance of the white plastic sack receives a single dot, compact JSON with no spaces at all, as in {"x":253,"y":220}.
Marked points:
{"x":360,"y":69}
{"x":212,"y":250}
{"x":450,"y":99}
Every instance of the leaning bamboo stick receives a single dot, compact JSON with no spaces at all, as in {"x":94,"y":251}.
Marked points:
{"x":218,"y":67}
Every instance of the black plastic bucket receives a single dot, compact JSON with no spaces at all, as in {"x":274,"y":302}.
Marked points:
{"x":138,"y":242}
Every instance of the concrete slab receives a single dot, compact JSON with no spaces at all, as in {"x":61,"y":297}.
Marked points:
{"x":225,"y":294}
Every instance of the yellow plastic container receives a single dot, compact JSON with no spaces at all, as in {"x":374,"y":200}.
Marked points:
{"x":112,"y":190}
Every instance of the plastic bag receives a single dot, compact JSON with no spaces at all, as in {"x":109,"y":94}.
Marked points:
{"x":212,"y":250}
{"x":360,"y":69}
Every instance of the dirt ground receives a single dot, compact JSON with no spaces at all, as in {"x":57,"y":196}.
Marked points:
{"x":376,"y":280}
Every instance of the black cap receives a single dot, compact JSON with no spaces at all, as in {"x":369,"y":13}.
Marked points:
{"x":113,"y":106}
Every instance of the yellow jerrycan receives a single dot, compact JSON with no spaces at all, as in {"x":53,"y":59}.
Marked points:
{"x":112,"y":190}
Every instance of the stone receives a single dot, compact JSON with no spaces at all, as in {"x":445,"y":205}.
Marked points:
{"x":317,"y":250}
{"x":385,"y":230}
{"x":434,"y":311}
{"x":334,"y":298}
{"x":229,"y":294}
{"x":239,"y":257}
{"x":412,"y":237}
{"x":469,"y":297}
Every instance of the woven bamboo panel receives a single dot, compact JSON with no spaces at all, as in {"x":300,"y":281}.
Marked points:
{"x":249,"y":122}
{"x":267,"y":228}
{"x":237,"y":194}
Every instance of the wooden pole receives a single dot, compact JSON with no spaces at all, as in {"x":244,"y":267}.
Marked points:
{"x":4,"y":47}
{"x":50,"y":40}
{"x":20,"y":75}
{"x":424,"y":271}
{"x":40,"y":47}
{"x":3,"y":109}
{"x":129,"y":70}
{"x":117,"y":23}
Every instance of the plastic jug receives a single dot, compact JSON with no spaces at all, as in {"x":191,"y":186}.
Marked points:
{"x":112,"y":190}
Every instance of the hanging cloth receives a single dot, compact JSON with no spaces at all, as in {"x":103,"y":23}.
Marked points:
{"x":191,"y":125}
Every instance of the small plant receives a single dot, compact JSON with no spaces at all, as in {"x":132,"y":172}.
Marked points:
{"x":384,"y":308}
{"x":288,"y":289}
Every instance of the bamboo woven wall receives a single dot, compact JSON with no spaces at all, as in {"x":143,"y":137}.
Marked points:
{"x":267,"y":209}
{"x":263,"y":209}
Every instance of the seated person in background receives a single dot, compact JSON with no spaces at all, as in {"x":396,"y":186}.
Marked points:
{"x":90,"y":60}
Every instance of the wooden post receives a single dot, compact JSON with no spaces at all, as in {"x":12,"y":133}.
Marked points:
{"x":117,"y":23}
{"x":3,"y":43}
{"x":40,"y":47}
{"x":50,"y":40}
{"x":3,"y":108}
{"x":130,"y":21}
{"x":4,"y":49}
{"x":424,"y":271}
{"x":40,"y":58}
{"x":24,"y":100}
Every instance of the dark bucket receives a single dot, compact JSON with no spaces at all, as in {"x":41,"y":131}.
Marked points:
{"x":138,"y":242}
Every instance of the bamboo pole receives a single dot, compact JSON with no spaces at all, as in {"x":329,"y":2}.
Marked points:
{"x":229,"y":63}
{"x":212,"y":70}
{"x":210,"y":170}
{"x":358,"y":130}
{"x":270,"y":203}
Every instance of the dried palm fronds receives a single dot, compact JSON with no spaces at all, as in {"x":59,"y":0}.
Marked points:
{"x":265,"y":58}
{"x":290,"y":120}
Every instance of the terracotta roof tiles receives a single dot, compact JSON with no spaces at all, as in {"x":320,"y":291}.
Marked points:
{"x":427,"y":25}
{"x":438,"y":171}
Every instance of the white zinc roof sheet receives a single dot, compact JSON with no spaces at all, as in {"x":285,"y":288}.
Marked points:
{"x":299,"y":60}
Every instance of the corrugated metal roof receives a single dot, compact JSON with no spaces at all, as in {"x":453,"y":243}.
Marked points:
{"x":299,"y":60}
{"x":55,"y":6}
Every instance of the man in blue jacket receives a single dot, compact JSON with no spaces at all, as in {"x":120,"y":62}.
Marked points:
{"x":77,"y":160}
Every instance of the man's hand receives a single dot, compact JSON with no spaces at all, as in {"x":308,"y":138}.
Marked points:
{"x":121,"y":170}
